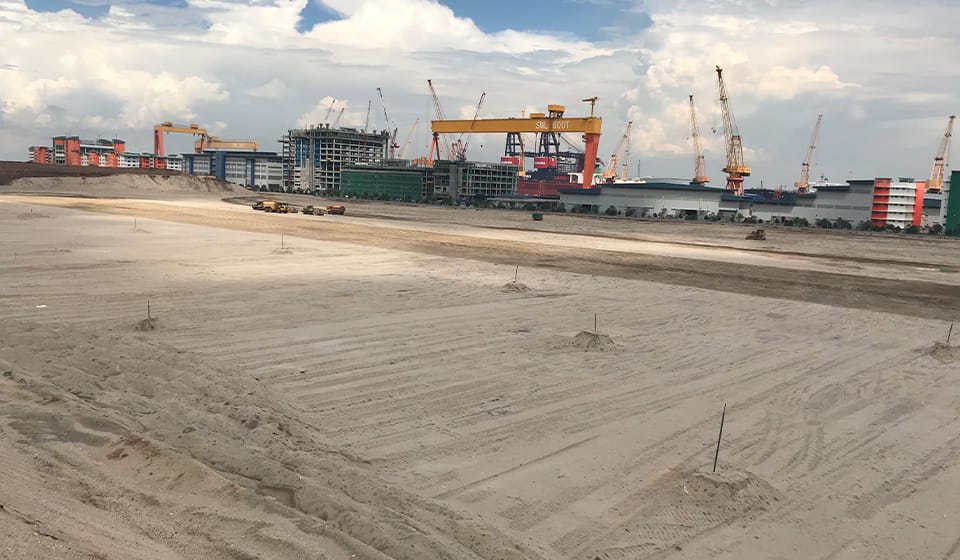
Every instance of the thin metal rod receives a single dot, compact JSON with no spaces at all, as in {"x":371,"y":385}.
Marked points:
{"x":716,"y":455}
{"x":950,"y":332}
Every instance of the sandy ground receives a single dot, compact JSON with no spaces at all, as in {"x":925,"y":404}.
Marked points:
{"x":360,"y":392}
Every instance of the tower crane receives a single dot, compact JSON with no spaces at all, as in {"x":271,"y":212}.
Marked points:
{"x":393,"y":136}
{"x":326,"y":118}
{"x":366,"y":123}
{"x":735,"y":169}
{"x":804,"y":183}
{"x":699,"y":169}
{"x":438,"y":109}
{"x":336,"y":121}
{"x":619,"y":156}
{"x":403,"y":150}
{"x":460,"y":146}
{"x":942,"y":160}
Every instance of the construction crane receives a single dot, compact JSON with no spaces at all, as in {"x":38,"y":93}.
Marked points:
{"x":326,"y":118}
{"x":460,"y":147}
{"x":336,"y":121}
{"x":393,"y":137}
{"x":403,"y":150}
{"x":438,"y":109}
{"x":699,"y":169}
{"x":735,"y":169}
{"x":942,"y":160}
{"x":536,"y":123}
{"x":366,"y":123}
{"x":619,"y":155}
{"x":203,"y":143}
{"x":804,"y":183}
{"x":216,"y":143}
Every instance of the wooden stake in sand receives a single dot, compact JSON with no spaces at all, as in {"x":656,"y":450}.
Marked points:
{"x":716,"y":455}
{"x":148,"y":310}
{"x":516,"y":274}
{"x":950,"y":332}
{"x":594,"y":323}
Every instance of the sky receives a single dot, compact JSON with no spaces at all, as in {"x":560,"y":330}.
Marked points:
{"x":881,"y":72}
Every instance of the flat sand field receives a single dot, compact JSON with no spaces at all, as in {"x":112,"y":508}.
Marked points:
{"x":420,"y":383}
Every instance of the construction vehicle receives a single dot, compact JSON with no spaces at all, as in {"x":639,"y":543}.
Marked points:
{"x":804,"y":183}
{"x":277,"y":207}
{"x":757,"y":234}
{"x":312,"y":210}
{"x":735,"y":169}
{"x":941,"y":161}
{"x":258,"y":205}
{"x":699,"y":169}
{"x":338,"y":209}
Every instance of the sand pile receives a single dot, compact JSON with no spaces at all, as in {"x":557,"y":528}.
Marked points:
{"x":148,"y":324}
{"x":732,"y":491}
{"x":514,"y":287}
{"x":945,"y":353}
{"x":120,"y":186}
{"x":591,"y":341}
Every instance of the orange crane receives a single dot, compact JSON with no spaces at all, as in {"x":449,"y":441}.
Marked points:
{"x":942,"y":160}
{"x":438,"y":109}
{"x":619,"y":155}
{"x":735,"y":169}
{"x":216,"y":143}
{"x":205,"y":142}
{"x":804,"y":183}
{"x":160,"y":129}
{"x":538,"y":123}
{"x":700,"y":172}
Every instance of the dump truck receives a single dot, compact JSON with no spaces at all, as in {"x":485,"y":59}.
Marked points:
{"x":258,"y":205}
{"x":757,"y":234}
{"x":337,"y":209}
{"x":277,"y":206}
{"x":312,"y":210}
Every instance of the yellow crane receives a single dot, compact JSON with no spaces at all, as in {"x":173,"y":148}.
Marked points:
{"x":538,"y":123}
{"x":699,"y":173}
{"x":804,"y":183}
{"x":413,"y":129}
{"x":160,"y":129}
{"x":942,"y":160}
{"x":619,"y":156}
{"x":736,"y":170}
{"x":205,"y":142}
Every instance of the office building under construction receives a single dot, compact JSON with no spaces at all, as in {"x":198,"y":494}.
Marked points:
{"x":313,"y":158}
{"x":471,"y":180}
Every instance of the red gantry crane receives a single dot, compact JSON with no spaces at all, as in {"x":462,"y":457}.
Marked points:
{"x":942,"y":160}
{"x":735,"y":169}
{"x":804,"y":183}
{"x":699,"y":173}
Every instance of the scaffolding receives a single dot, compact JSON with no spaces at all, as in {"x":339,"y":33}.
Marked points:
{"x":313,"y":158}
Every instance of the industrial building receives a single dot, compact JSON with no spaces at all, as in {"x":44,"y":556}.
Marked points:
{"x":900,"y":203}
{"x":393,"y":182}
{"x":75,"y":151}
{"x":470,"y":180}
{"x":313,"y":158}
{"x":263,"y":170}
{"x":950,"y":209}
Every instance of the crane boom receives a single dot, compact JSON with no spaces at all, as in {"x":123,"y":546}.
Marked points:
{"x":438,"y":109}
{"x":699,"y":168}
{"x":336,"y":121}
{"x":160,"y":129}
{"x":403,"y":150}
{"x":804,"y":183}
{"x":735,"y":169}
{"x":942,"y":159}
{"x":393,"y":137}
{"x":618,"y":156}
{"x":460,"y":145}
{"x":366,"y":123}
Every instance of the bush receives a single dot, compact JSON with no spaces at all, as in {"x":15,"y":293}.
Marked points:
{"x":824,"y":223}
{"x":631,"y":212}
{"x":561,"y":208}
{"x":840,"y":223}
{"x":935,"y":229}
{"x":912,"y":229}
{"x":611,"y":211}
{"x":891,"y":228}
{"x":864,"y":225}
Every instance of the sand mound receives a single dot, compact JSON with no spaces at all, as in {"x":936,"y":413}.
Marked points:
{"x":283,"y":251}
{"x":120,"y":186}
{"x":514,"y":287}
{"x":591,"y":341}
{"x":149,"y":324}
{"x":729,"y":490}
{"x":945,"y":353}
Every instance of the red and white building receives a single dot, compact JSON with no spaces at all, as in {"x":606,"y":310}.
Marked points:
{"x":898,"y":203}
{"x":72,"y":150}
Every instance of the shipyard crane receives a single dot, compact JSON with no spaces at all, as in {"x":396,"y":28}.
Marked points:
{"x":403,"y":150}
{"x":619,"y":156}
{"x":393,"y":136}
{"x":942,"y":160}
{"x":804,"y":183}
{"x":536,"y":123}
{"x":699,"y":169}
{"x":216,"y":143}
{"x":160,"y":129}
{"x":460,"y":147}
{"x":203,"y":143}
{"x":438,"y":109}
{"x":735,"y":169}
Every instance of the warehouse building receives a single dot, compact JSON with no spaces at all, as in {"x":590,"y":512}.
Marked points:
{"x":313,"y":158}
{"x":263,"y":170}
{"x":470,"y":180}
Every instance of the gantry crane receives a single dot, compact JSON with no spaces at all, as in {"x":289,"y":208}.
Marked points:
{"x":205,"y":142}
{"x":393,"y":136}
{"x":619,"y":156}
{"x":804,"y":183}
{"x":460,"y":146}
{"x":735,"y":169}
{"x":942,"y":160}
{"x":699,"y":169}
{"x":403,"y":150}
{"x":536,"y":123}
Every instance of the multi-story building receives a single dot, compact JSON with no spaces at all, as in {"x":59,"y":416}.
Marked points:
{"x":394,"y":182}
{"x":263,"y":170}
{"x":459,"y":180}
{"x":75,"y":151}
{"x":897,"y":203}
{"x":313,"y":158}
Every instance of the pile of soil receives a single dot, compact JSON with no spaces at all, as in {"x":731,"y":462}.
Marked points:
{"x":148,"y":324}
{"x":514,"y":287}
{"x":589,"y":341}
{"x":728,"y":490}
{"x":944,"y":353}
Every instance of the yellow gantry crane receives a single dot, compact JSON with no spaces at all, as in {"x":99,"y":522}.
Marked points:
{"x":699,"y":169}
{"x":942,"y":160}
{"x":537,"y":123}
{"x":205,"y":142}
{"x":620,"y":155}
{"x":804,"y":183}
{"x":736,"y":170}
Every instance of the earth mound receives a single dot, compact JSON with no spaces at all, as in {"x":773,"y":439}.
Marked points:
{"x":591,"y":341}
